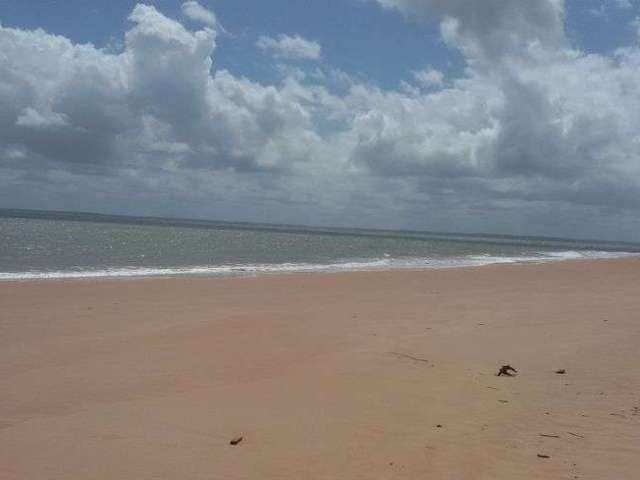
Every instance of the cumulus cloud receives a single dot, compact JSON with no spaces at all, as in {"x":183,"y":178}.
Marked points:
{"x":198,"y":13}
{"x":533,"y":129}
{"x":290,"y":48}
{"x":158,"y":101}
{"x":527,"y":122}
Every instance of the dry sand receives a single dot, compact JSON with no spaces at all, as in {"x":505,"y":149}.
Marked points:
{"x":326,"y":376}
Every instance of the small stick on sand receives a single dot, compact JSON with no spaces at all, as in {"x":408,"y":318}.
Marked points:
{"x":575,"y":434}
{"x":410,"y":357}
{"x":549,"y":436}
{"x":540,"y":455}
{"x":236,"y":441}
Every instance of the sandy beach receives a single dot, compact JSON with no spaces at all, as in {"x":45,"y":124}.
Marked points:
{"x":325,"y":376}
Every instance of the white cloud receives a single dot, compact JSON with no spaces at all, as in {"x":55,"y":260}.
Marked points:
{"x":155,"y":102}
{"x":194,"y":11}
{"x":30,"y":117}
{"x":290,"y":48}
{"x":429,"y":77}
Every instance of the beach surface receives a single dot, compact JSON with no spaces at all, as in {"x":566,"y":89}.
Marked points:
{"x":378,"y":375}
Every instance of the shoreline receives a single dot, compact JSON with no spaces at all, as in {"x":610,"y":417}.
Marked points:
{"x":123,"y":273}
{"x":346,"y":375}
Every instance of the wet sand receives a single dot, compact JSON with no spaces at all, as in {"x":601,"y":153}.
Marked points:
{"x":325,"y":376}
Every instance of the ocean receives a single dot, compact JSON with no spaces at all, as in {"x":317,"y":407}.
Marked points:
{"x":38,"y":245}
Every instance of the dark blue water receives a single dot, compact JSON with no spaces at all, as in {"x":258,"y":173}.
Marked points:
{"x":57,"y":245}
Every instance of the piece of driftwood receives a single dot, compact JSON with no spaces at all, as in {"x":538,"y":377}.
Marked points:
{"x":236,"y":440}
{"x":540,"y":455}
{"x":507,"y":370}
{"x":561,"y":371}
{"x":549,"y":436}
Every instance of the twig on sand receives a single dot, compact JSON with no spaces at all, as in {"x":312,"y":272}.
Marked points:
{"x":540,"y":455}
{"x":410,"y":357}
{"x":575,"y":434}
{"x":549,"y":436}
{"x":236,"y":441}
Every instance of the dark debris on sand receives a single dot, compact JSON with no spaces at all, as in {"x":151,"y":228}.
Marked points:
{"x":507,"y":370}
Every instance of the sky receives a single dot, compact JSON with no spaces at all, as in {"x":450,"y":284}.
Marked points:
{"x":498,"y":116}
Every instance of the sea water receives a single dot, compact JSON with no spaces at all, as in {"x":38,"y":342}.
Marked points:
{"x":54,"y":245}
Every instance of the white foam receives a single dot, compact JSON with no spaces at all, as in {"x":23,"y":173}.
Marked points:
{"x":588,"y":254}
{"x":385,"y":263}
